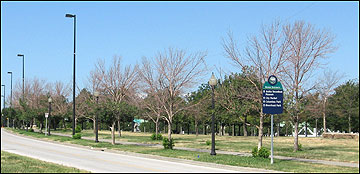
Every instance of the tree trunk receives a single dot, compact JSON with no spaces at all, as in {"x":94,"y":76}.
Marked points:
{"x":113,"y":133}
{"x":324,"y":116}
{"x":296,"y":137}
{"x":119,"y":128}
{"x":169,"y":131}
{"x":156,"y":128}
{"x":204,"y":129}
{"x":94,"y":123}
{"x":41,"y":127}
{"x":196,"y":128}
{"x":31,"y":124}
{"x":221,"y":130}
{"x":64,"y":123}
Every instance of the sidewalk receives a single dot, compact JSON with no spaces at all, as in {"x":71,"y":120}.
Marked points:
{"x":345,"y":164}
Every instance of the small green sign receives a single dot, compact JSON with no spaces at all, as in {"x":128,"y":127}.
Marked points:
{"x":277,"y":86}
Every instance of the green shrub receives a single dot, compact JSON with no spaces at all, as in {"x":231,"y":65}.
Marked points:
{"x":263,"y":152}
{"x":77,"y":136}
{"x":78,"y":129}
{"x":254,"y":152}
{"x":154,"y":137}
{"x":168,"y":144}
{"x":31,"y":130}
{"x":300,"y":147}
{"x":208,"y":142}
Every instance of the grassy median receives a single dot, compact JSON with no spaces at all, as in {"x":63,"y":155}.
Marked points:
{"x":13,"y":163}
{"x":344,"y":150}
{"x":279,"y":165}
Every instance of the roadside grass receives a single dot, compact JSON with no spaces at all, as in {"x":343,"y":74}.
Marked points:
{"x":343,"y":150}
{"x":13,"y":163}
{"x":279,"y":165}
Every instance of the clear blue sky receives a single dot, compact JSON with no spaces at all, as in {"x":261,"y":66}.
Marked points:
{"x":135,"y":29}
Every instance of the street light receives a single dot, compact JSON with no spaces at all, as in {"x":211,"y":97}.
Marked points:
{"x":3,"y":105}
{"x":73,"y":123}
{"x":4,"y":97}
{"x":96,"y":94}
{"x":23,"y":78}
{"x":212,"y":83}
{"x":49,"y":100}
{"x":10,"y":89}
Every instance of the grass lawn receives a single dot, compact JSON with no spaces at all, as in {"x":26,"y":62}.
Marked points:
{"x":344,"y":150}
{"x":13,"y":163}
{"x":279,"y":165}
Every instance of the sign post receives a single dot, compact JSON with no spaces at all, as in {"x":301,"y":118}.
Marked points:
{"x":272,"y":103}
{"x":46,"y":116}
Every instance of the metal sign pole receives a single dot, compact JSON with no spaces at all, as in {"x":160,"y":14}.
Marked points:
{"x":272,"y":139}
{"x":46,"y":127}
{"x":46,"y":116}
{"x":272,"y":104}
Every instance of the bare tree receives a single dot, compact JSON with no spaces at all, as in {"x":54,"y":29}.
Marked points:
{"x":325,"y":87}
{"x":35,"y":96}
{"x":153,"y":110}
{"x":307,"y":46}
{"x":33,"y":104}
{"x":150,"y":88}
{"x":266,"y":54}
{"x":93,"y":85}
{"x":116,"y":84}
{"x":168,"y":78}
{"x":314,"y":107}
{"x":59,"y":93}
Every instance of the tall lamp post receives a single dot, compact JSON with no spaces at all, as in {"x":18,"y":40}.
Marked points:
{"x":49,"y":100}
{"x":10,"y":88}
{"x":23,"y":76}
{"x":212,"y":83}
{"x":4,"y":97}
{"x":96,"y":94}
{"x":3,"y":105}
{"x":73,"y":123}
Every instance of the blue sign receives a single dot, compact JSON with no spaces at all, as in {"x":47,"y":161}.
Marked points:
{"x":272,"y":96}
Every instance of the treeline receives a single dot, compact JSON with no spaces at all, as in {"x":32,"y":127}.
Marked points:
{"x":157,"y":90}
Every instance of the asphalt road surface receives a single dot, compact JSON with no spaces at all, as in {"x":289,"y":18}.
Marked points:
{"x":106,"y":162}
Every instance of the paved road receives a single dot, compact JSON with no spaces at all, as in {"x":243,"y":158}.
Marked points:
{"x":101,"y":161}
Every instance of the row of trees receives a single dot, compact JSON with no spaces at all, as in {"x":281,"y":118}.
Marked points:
{"x":158,"y":88}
